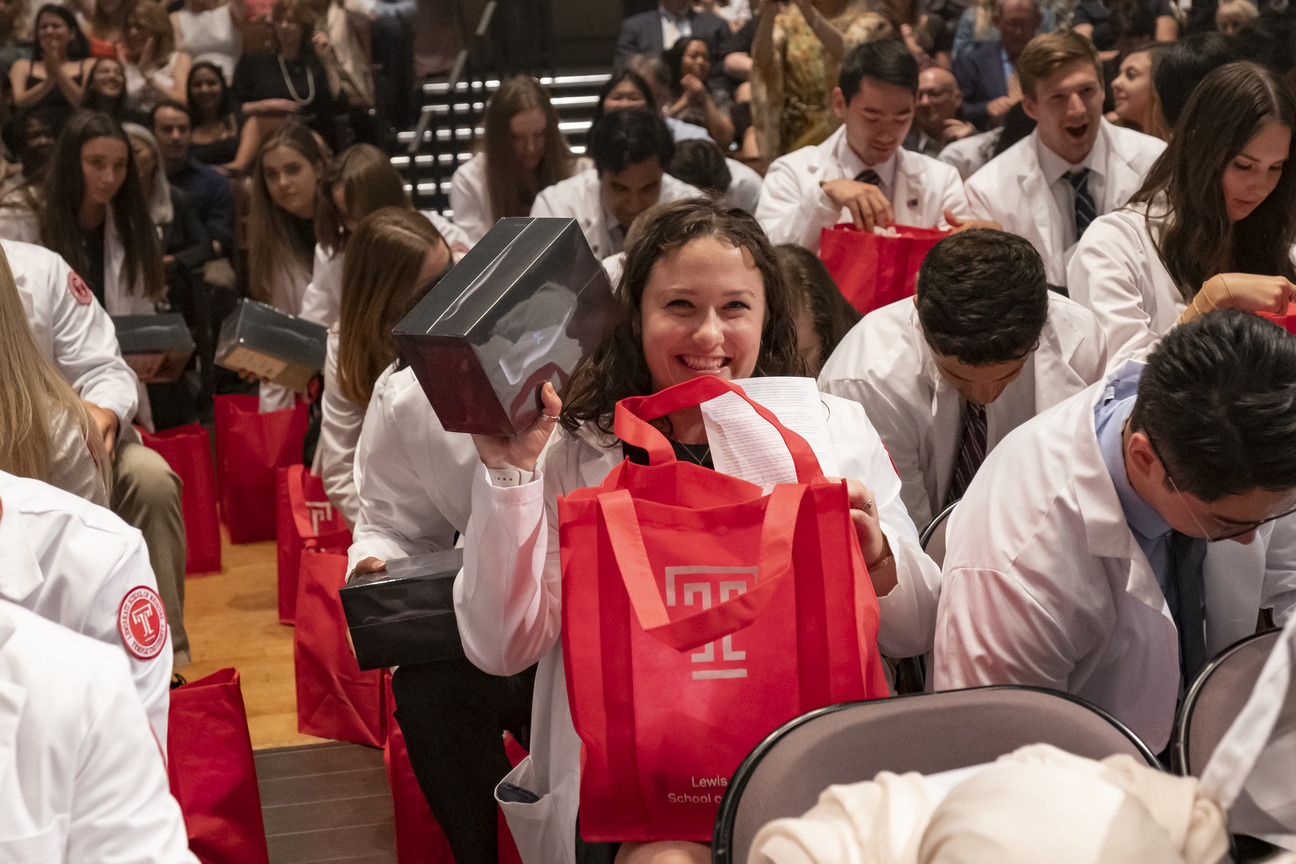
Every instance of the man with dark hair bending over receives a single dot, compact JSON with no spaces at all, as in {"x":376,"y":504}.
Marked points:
{"x":861,"y":174}
{"x":1086,"y":555}
{"x":981,"y":349}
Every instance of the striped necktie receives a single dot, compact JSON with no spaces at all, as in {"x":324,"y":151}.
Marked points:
{"x":972,"y":451}
{"x":869,"y":176}
{"x":1085,"y":209}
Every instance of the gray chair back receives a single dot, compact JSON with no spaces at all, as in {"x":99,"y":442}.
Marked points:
{"x":928,"y":733}
{"x":932,"y":537}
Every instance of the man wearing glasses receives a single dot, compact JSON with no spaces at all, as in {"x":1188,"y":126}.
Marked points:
{"x":1085,"y":556}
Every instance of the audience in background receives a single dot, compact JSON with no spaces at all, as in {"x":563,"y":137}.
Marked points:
{"x":15,"y":34}
{"x":1074,"y":167}
{"x":1181,"y":66}
{"x":207,"y":191}
{"x":105,"y":27}
{"x":987,"y":73}
{"x":155,"y":70}
{"x":1108,"y":23}
{"x":211,"y":31}
{"x":691,"y":100}
{"x":1232,"y":15}
{"x":216,"y":127}
{"x":977,"y":24}
{"x":701,"y":163}
{"x":939,"y":118}
{"x":1135,"y":97}
{"x":519,"y":153}
{"x":651,"y":33}
{"x":56,"y":73}
{"x":106,"y":89}
{"x":21,"y":199}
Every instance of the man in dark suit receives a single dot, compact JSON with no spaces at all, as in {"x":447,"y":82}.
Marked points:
{"x":985,"y":72}
{"x":647,"y":33}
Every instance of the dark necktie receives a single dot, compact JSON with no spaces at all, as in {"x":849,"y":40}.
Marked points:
{"x":868,"y":175}
{"x":1085,"y":209}
{"x":618,"y":234}
{"x":972,"y":451}
{"x":1187,"y":602}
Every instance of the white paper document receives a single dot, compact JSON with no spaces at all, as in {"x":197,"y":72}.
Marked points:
{"x":745,"y":445}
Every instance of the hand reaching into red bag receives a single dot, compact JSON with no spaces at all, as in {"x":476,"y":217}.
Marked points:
{"x":873,"y":543}
{"x":868,"y":206}
{"x":522,"y":451}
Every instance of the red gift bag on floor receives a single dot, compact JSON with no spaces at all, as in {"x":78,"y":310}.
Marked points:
{"x":872,"y":270}
{"x":305,"y":520}
{"x":187,"y":449}
{"x":334,"y":698}
{"x":698,"y":615}
{"x":249,"y":447}
{"x":209,"y":763}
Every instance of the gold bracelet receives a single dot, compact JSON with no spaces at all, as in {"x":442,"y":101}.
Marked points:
{"x":1202,"y":293}
{"x":1224,"y":282}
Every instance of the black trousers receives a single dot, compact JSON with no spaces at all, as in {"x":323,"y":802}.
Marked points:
{"x":453,"y":716}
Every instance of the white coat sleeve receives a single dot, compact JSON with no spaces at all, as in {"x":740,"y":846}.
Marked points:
{"x":86,"y":353}
{"x":908,"y":612}
{"x":469,"y":199}
{"x":792,"y":208}
{"x":1107,"y":275}
{"x":339,"y":434}
{"x":1279,"y":590}
{"x":508,"y":597}
{"x":992,"y":630}
{"x":954,"y":199}
{"x":322,"y":300}
{"x":397,"y":516}
{"x":980,"y":205}
{"x":543,"y":205}
{"x":122,"y":809}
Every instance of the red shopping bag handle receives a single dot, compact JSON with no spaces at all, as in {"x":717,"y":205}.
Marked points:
{"x":297,"y":503}
{"x":729,"y":616}
{"x":633,"y":413}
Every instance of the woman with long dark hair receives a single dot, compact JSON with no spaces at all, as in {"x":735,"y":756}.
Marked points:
{"x":1213,"y":224}
{"x":702,"y":294}
{"x":520,"y":152}
{"x":55,"y":75}
{"x":689,"y":63}
{"x":106,"y":89}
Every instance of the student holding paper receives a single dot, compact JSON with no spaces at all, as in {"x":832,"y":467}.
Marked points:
{"x":703,"y":295}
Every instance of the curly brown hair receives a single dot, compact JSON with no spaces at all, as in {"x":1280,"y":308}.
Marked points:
{"x":618,"y":369}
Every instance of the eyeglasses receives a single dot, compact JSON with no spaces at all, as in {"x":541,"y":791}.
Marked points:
{"x":1235,"y":530}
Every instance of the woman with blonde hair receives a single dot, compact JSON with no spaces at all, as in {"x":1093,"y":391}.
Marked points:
{"x":46,"y":433}
{"x":155,"y":71}
{"x":520,"y":153}
{"x":394,"y":258}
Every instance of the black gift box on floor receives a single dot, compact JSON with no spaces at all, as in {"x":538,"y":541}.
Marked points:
{"x":405,"y":615}
{"x":273,"y":345}
{"x":156,"y":347}
{"x":523,"y":307}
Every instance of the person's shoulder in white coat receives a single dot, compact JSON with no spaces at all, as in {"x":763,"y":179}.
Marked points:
{"x":71,"y":329}
{"x":885,"y":364}
{"x":413,"y":479}
{"x":794,"y":209}
{"x":744,"y":187}
{"x":1117,"y":272}
{"x":84,"y":778}
{"x":77,"y":564}
{"x":470,"y":199}
{"x":969,"y":154}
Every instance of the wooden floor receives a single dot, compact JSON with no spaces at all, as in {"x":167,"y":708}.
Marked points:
{"x":232,"y":619}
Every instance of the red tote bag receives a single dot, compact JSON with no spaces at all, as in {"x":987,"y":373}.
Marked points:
{"x":249,"y":447}
{"x":305,"y":520}
{"x":1287,"y":320}
{"x":872,"y":270}
{"x":698,"y":615}
{"x":209,"y":763}
{"x":187,"y":449}
{"x":334,"y":698}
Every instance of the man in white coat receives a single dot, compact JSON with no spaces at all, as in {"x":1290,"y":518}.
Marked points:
{"x":75,"y":334}
{"x":981,"y":349}
{"x":1074,"y":167}
{"x":861,"y":174}
{"x":631,"y":149}
{"x":83,"y":779}
{"x":1083,"y":556}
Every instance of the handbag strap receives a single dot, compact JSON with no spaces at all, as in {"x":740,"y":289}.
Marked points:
{"x":632,"y":415}
{"x":728,"y":616}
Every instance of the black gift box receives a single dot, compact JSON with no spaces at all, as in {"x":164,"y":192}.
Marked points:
{"x":405,"y":615}
{"x":523,"y":307}
{"x":272,"y":345}
{"x":156,"y":347}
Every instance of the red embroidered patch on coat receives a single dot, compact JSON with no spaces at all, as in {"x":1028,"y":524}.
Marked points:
{"x":141,"y":620}
{"x":80,"y":290}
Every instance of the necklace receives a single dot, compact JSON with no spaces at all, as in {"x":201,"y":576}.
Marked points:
{"x":292,"y":91}
{"x":692,"y":453}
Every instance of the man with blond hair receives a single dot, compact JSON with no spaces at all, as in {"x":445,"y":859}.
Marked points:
{"x":1074,"y":167}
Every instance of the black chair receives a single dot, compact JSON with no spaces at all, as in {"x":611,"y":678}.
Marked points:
{"x":932,"y":537}
{"x":927,"y":733}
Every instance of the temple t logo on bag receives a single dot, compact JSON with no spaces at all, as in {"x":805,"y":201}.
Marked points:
{"x":320,"y":511}
{"x":703,"y":585}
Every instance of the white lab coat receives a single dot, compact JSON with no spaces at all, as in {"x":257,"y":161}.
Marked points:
{"x":321,"y":302}
{"x":744,"y":187}
{"x":77,"y":337}
{"x":508,"y":601}
{"x":339,"y":432}
{"x":470,"y":199}
{"x":73,"y":562}
{"x":885,"y":364}
{"x":794,"y":209}
{"x":1011,"y":190}
{"x":580,"y":198}
{"x":1117,"y":272}
{"x":1045,"y":585}
{"x":412,"y":478}
{"x":118,"y":296}
{"x":968,"y":155}
{"x":81,"y":778}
